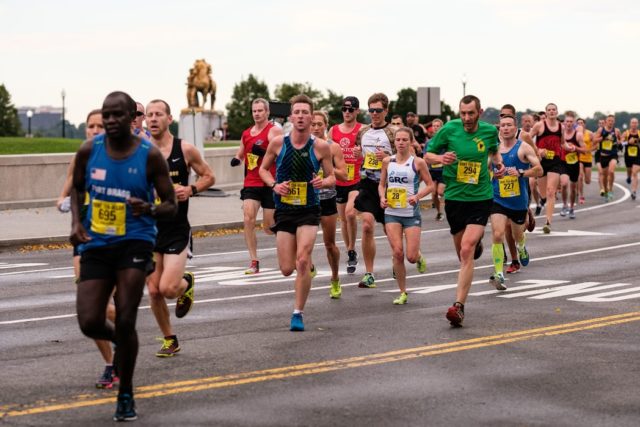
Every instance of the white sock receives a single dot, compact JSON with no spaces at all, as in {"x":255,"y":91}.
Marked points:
{"x":296,"y":311}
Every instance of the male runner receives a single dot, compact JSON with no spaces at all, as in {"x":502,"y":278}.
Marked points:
{"x":375,"y":143}
{"x":436,"y":175}
{"x":631,"y":140}
{"x":169,"y":280}
{"x":586,"y":160}
{"x":574,"y":145}
{"x":254,"y":193}
{"x":609,"y":138}
{"x":119,"y":171}
{"x":510,"y":198}
{"x":468,"y":143}
{"x":346,"y":190}
{"x":136,"y":126}
{"x":298,"y":157}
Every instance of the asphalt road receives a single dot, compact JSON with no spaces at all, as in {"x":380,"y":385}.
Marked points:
{"x":559,"y":347}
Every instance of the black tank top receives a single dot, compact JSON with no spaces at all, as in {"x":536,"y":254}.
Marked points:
{"x":179,"y":173}
{"x":550,"y":140}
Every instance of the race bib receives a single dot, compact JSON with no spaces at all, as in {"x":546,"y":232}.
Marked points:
{"x":252,"y":161}
{"x":468,"y":172}
{"x":351,"y":171}
{"x":509,"y":186}
{"x":549,"y":154}
{"x":571,"y":158}
{"x":607,"y":145}
{"x":397,"y":198}
{"x":108,"y":217}
{"x":297,"y":194}
{"x":371,"y":162}
{"x":632,"y":151}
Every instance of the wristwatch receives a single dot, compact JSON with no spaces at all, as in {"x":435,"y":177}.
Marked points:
{"x":521,"y":172}
{"x":194,"y":190}
{"x":273,"y":186}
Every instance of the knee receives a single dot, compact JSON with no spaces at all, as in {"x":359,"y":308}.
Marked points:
{"x":154,"y":291}
{"x":412,"y":258}
{"x":286,"y":271}
{"x":368,"y":227}
{"x":90,"y":324}
{"x":350,"y":213}
{"x":303,"y":264}
{"x":466,"y":252}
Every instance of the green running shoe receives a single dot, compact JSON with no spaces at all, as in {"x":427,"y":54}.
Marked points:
{"x":401,"y":300}
{"x":313,"y":272}
{"x":421,"y":264}
{"x":336,"y":291}
{"x":368,"y":281}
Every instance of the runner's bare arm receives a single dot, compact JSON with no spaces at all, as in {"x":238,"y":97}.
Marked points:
{"x":158,"y":174}
{"x":78,"y":232}
{"x":382,"y":186}
{"x":425,"y":176}
{"x":339,"y":165}
{"x":206,"y":178}
{"x":273,"y":150}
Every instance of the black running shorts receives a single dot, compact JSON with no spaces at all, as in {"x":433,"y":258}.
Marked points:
{"x":289,"y":220}
{"x":368,"y":200}
{"x":262,"y":194}
{"x":517,"y":217}
{"x":460,"y":214}
{"x":103,"y":263}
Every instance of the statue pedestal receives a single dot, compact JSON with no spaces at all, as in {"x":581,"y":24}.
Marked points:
{"x":198,"y":126}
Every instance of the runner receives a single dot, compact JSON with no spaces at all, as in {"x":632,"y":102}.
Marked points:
{"x":510,"y":197}
{"x":328,"y":208}
{"x":400,"y":195}
{"x":173,"y":244}
{"x":549,"y":139}
{"x":346,"y":190}
{"x":136,"y":126}
{"x":93,"y":128}
{"x":375,"y":144}
{"x":120,"y":172}
{"x":631,"y":139}
{"x":396,"y":121}
{"x":586,"y":160}
{"x":467,"y":142}
{"x":609,"y":138}
{"x":254,"y":194}
{"x":435,"y":170}
{"x":298,"y":157}
{"x":419,"y":132}
{"x":574,"y":145}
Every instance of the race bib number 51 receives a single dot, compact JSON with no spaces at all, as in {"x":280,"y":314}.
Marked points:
{"x":108,"y":217}
{"x":468,"y":172}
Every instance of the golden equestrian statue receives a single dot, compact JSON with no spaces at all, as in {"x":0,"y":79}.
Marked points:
{"x":200,"y":80}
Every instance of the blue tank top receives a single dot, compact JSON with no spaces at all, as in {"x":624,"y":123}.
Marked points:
{"x":609,"y":143}
{"x":298,"y":167}
{"x":511,"y":191}
{"x":109,"y":184}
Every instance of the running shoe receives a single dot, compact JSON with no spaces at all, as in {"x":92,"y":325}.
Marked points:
{"x":185,"y":301}
{"x":455,"y":314}
{"x":610,"y":196}
{"x":107,"y":379}
{"x":514,"y":267}
{"x":523,"y":255}
{"x":439,"y":217}
{"x":401,"y":300}
{"x":497,"y":281}
{"x":531,"y":221}
{"x":628,"y":180}
{"x":538,"y":209}
{"x":421,"y":264}
{"x":543,"y":202}
{"x":352,"y":262}
{"x":479,"y":249}
{"x":633,"y":195}
{"x":602,"y":193}
{"x":572,"y":214}
{"x":581,"y":200}
{"x":254,"y":267}
{"x":335,"y":292}
{"x":169,"y":347}
{"x":368,"y":281}
{"x":125,"y":408}
{"x":313,"y":272}
{"x":297,"y":325}
{"x":547,"y":228}
{"x":564,"y":211}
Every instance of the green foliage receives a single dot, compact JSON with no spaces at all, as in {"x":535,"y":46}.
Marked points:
{"x":407,"y":101}
{"x":239,"y":109}
{"x":285,"y":91}
{"x":19,"y":145}
{"x":174,"y":128}
{"x":332,"y":105}
{"x":9,"y":122}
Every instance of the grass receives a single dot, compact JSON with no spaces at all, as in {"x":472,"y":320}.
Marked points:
{"x":18,"y":145}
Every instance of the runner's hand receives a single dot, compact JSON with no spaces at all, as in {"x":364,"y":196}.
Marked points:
{"x":78,"y":234}
{"x":282,"y":188}
{"x":138,"y":206}
{"x":449,"y":157}
{"x":383,"y":203}
{"x":181,"y":193}
{"x":316,"y":182}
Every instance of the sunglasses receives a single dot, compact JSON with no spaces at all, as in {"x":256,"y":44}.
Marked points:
{"x":376,"y":110}
{"x":139,"y":114}
{"x":348,"y":109}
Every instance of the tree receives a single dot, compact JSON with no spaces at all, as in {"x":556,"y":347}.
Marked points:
{"x":239,"y":109}
{"x":407,"y":101}
{"x":332,"y":105}
{"x":285,"y":91}
{"x":9,"y":122}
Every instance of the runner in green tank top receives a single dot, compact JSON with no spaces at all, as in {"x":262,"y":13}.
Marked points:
{"x":467,"y":143}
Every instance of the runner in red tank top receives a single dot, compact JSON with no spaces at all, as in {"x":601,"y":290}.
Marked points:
{"x":255,"y":194}
{"x":345,"y":134}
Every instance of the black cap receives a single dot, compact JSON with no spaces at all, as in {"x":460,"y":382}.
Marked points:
{"x":352,"y":100}
{"x":411,"y":114}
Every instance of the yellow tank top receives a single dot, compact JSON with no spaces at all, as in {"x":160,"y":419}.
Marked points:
{"x":586,"y":138}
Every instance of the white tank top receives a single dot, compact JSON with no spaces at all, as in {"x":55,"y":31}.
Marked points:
{"x":402,"y":182}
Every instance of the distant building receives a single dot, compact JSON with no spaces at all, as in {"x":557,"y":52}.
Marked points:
{"x":44,"y":118}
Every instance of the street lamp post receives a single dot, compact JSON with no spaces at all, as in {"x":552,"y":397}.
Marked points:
{"x":63,"y":126}
{"x":29,"y":115}
{"x":464,"y":84}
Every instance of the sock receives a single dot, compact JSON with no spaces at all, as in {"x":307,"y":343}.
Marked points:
{"x":498,"y":256}
{"x":521,"y":243}
{"x":296,"y":311}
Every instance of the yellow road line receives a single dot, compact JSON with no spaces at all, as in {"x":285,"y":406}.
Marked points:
{"x":190,"y":386}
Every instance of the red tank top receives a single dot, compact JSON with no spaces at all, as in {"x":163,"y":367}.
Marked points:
{"x":252,"y":162}
{"x":550,"y":140}
{"x":347,"y":141}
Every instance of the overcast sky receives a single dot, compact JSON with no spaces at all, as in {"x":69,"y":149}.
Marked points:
{"x":581,"y":54}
